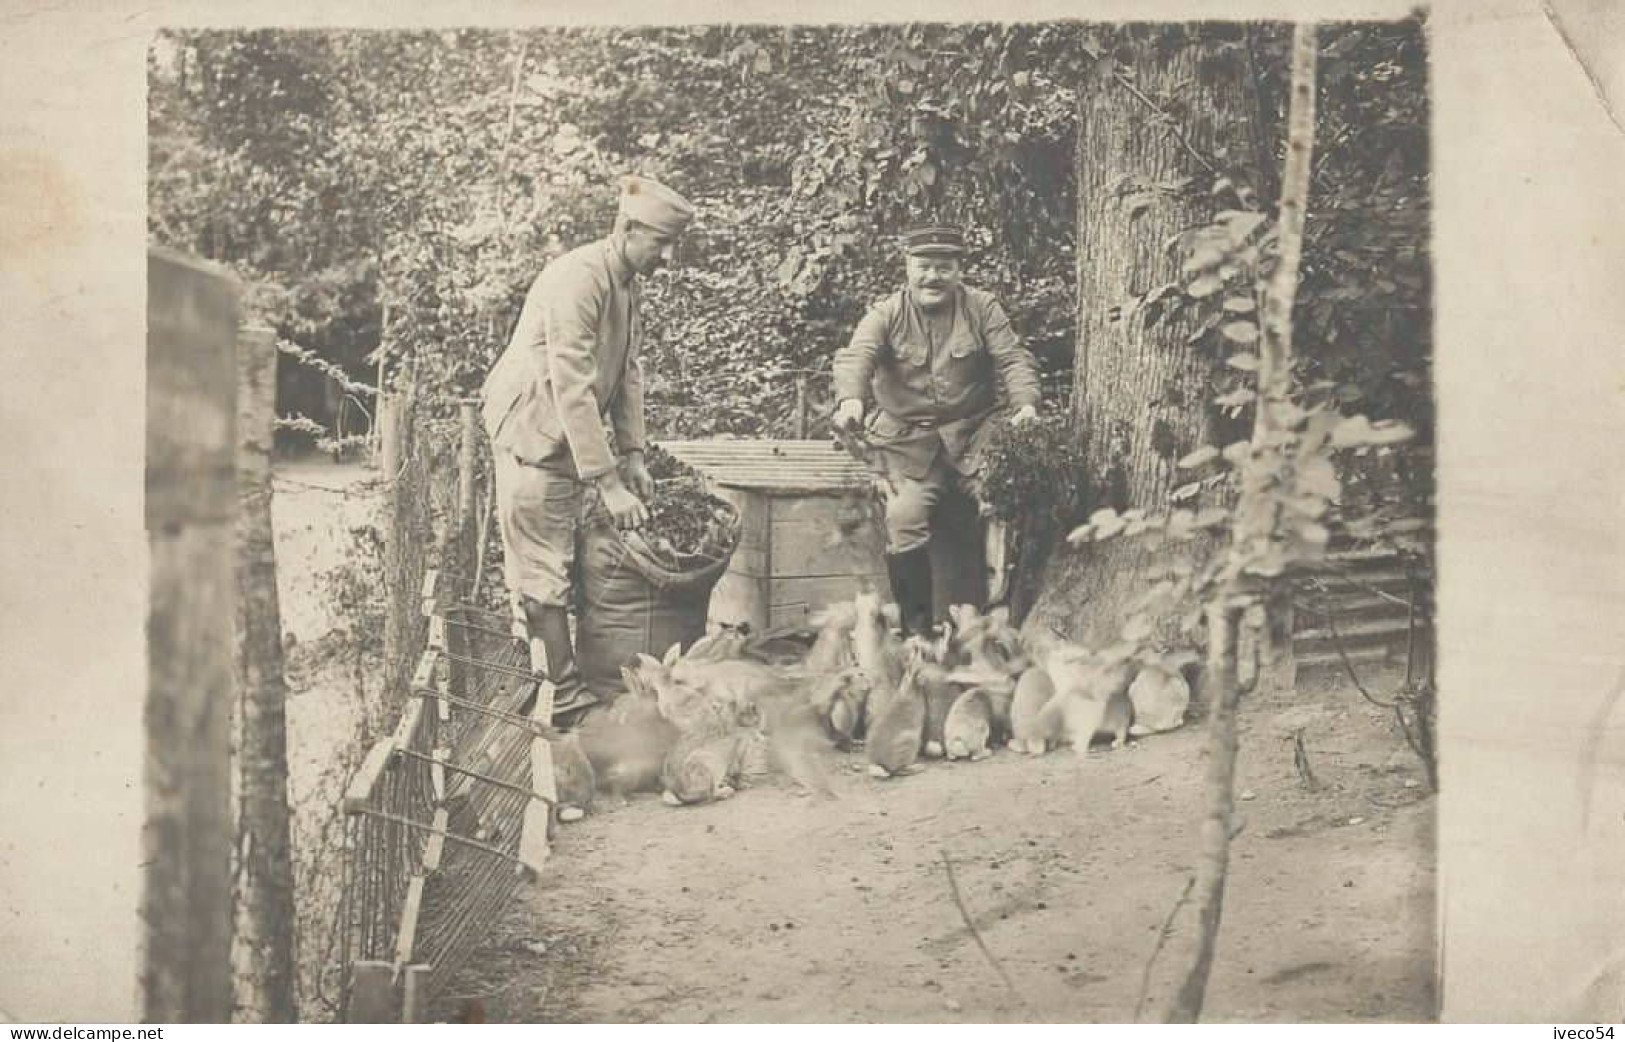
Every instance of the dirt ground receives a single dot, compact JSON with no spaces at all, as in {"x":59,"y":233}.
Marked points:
{"x":776,"y":906}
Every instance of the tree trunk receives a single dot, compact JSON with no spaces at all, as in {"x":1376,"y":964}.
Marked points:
{"x":408,"y":541}
{"x":265,"y":908}
{"x":1268,"y":637}
{"x":1257,"y":524}
{"x":1140,"y":391}
{"x":1213,"y":863}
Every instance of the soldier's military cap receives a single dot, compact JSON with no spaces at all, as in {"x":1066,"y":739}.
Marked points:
{"x":649,"y":202}
{"x":934,"y":240}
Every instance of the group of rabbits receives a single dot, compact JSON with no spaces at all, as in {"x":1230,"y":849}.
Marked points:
{"x":976,"y":686}
{"x":693,"y":724}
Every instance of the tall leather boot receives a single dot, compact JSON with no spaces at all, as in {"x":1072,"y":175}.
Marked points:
{"x":910,"y":573}
{"x":550,"y":624}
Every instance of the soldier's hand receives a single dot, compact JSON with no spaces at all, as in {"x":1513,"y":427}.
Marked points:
{"x":848,"y":414}
{"x":625,"y":509}
{"x":1025,"y":414}
{"x":636,"y":474}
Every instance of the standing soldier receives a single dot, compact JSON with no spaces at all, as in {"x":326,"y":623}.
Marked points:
{"x":940,"y":360}
{"x":574,"y":358}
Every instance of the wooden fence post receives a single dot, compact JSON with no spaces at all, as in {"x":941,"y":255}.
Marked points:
{"x":415,"y":999}
{"x":390,"y":435}
{"x":376,"y":439}
{"x":265,"y":904}
{"x":459,"y":552}
{"x":373,"y":994}
{"x":408,"y":539}
{"x":190,"y":517}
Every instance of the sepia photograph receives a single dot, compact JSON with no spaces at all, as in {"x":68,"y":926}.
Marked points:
{"x":867,"y":521}
{"x":780,"y":523}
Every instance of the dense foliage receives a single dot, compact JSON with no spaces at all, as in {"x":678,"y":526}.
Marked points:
{"x":404,"y":188}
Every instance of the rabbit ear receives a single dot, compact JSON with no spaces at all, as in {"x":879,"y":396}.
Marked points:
{"x":673,"y":653}
{"x":890,"y":613}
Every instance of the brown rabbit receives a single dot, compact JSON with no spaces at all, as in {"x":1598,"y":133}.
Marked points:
{"x":627,"y":743}
{"x":969,"y":726}
{"x":838,"y":699}
{"x":898,"y":732}
{"x":703,"y":767}
{"x":832,"y":648}
{"x":1160,"y":698}
{"x":879,"y":654}
{"x":1031,"y":731}
{"x":795,"y":740}
{"x":573,"y":777}
{"x":1000,"y":699}
{"x":940,"y":695}
{"x":688,"y":707}
{"x":989,"y":642}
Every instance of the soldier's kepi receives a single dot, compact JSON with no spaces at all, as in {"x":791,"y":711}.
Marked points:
{"x":941,"y":364}
{"x":572,"y":360}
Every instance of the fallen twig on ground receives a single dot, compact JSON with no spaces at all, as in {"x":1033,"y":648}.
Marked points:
{"x":1162,"y":939}
{"x":987,"y":953}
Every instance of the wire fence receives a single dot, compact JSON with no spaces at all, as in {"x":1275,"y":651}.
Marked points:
{"x":435,"y":814}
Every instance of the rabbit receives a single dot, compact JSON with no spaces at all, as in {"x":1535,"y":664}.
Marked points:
{"x":723,"y":641}
{"x":698,"y":695}
{"x":998,"y":689}
{"x":832,"y":648}
{"x":626,"y":744}
{"x":940,"y":695}
{"x":702,"y":766}
{"x":879,"y":654}
{"x":1031,"y":731}
{"x":1160,"y":698}
{"x":897,"y":733}
{"x":1091,"y":699}
{"x":574,"y":780}
{"x":688,"y":708}
{"x":756,"y":754}
{"x":996,"y":659}
{"x":1117,"y":719}
{"x":796,"y":735}
{"x":838,"y":699}
{"x":845,"y":717}
{"x":1000,"y":699}
{"x":989,"y":642}
{"x":968,"y":727}
{"x":947,"y":647}
{"x":738,"y":684}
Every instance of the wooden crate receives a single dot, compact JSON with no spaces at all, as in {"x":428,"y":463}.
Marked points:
{"x":811,"y":532}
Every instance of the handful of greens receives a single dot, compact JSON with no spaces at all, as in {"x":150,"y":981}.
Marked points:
{"x":687,"y":525}
{"x":1033,"y":470}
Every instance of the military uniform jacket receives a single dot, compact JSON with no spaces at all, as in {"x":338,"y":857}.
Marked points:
{"x":573,"y":357}
{"x":935,"y":392}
